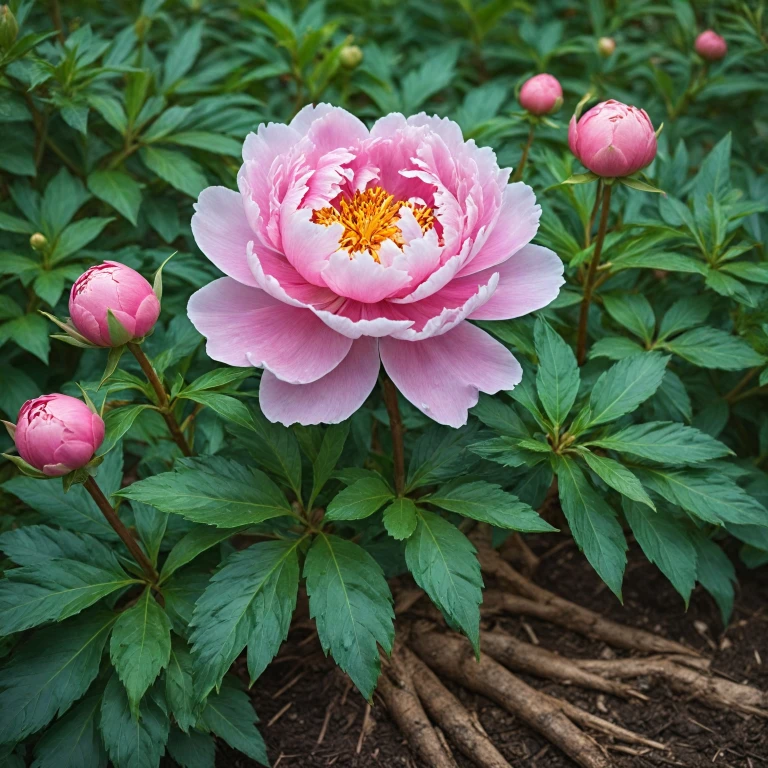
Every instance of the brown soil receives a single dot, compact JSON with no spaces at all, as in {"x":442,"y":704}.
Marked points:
{"x":696,"y":736}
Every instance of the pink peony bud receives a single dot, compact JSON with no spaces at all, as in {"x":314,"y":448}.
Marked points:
{"x":613,"y":139}
{"x":57,"y":433}
{"x":710,"y":46}
{"x":541,"y":95}
{"x":123,"y":290}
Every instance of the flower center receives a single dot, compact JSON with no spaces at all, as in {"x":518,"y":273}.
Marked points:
{"x":370,"y":218}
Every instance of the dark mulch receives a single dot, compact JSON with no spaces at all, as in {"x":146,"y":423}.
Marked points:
{"x":696,"y":735}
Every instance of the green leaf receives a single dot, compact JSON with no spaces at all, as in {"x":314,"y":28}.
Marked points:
{"x":400,"y":518}
{"x":557,"y":379}
{"x":714,"y":498}
{"x":729,"y":286}
{"x":249,"y":601}
{"x":617,"y":476}
{"x":593,"y":524}
{"x":748,"y":270}
{"x":182,"y":55}
{"x":219,"y":377}
{"x":76,"y":236}
{"x":198,"y":540}
{"x":151,"y":525}
{"x":140,"y":646}
{"x":633,"y":312}
{"x":210,"y":142}
{"x":437,"y":455}
{"x":614,"y":348}
{"x":53,"y":591}
{"x":488,"y":503}
{"x":685,"y":313}
{"x":228,"y":407}
{"x":581,"y":178}
{"x":133,"y":742}
{"x":665,"y":442}
{"x":324,"y":463}
{"x":175,"y":168}
{"x":30,"y":332}
{"x":639,"y":185}
{"x":221,"y":493}
{"x":506,"y":451}
{"x":352,"y":607}
{"x":117,"y":422}
{"x":192,"y":750}
{"x":500,"y":416}
{"x":49,"y":285}
{"x":443,"y":563}
{"x":119,"y":190}
{"x":10,"y":223}
{"x":666,"y":543}
{"x":714,"y":348}
{"x":73,"y":741}
{"x":359,"y":500}
{"x":63,"y":197}
{"x":716,"y":574}
{"x":229,"y":714}
{"x":179,"y":688}
{"x":50,"y":671}
{"x":625,"y":385}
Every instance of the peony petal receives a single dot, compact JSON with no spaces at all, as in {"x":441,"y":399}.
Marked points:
{"x":529,"y":280}
{"x":222,"y":232}
{"x":516,"y":225}
{"x":245,"y":326}
{"x":444,"y":375}
{"x":361,"y":278}
{"x":355,"y":319}
{"x":308,"y":246}
{"x":329,"y":400}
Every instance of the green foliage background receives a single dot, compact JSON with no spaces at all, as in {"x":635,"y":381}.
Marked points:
{"x":114,"y":115}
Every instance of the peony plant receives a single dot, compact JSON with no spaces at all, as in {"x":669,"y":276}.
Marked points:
{"x":381,"y":376}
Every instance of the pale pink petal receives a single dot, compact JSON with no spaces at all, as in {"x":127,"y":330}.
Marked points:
{"x":335,"y":130}
{"x":361,"y":278}
{"x":444,"y":375}
{"x":279,"y":279}
{"x":304,"y":118}
{"x":517,"y":223}
{"x":268,"y":142}
{"x":222,"y":232}
{"x":329,"y":400}
{"x":355,"y":319}
{"x":529,"y":280}
{"x":308,"y":246}
{"x":438,"y":279}
{"x":444,"y":310}
{"x":245,"y":326}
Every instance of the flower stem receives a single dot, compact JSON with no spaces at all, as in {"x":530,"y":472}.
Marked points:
{"x":162,"y":398}
{"x":595,"y":209}
{"x":108,"y":511}
{"x":396,"y":427}
{"x":589,"y":284}
{"x":518,"y":175}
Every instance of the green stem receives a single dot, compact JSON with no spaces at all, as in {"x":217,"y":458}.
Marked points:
{"x":396,"y":428}
{"x":109,"y":513}
{"x":518,"y":175}
{"x":162,"y":398}
{"x":589,"y":284}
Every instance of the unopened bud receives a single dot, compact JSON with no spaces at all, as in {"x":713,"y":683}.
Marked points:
{"x":9,"y":28}
{"x":606,"y":46}
{"x":351,"y":56}
{"x":38,"y":241}
{"x":141,"y":26}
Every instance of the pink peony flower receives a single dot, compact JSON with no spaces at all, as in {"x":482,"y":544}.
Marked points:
{"x":541,"y":95}
{"x":347,"y":248}
{"x":709,"y":45}
{"x":57,"y":433}
{"x":114,"y":286}
{"x":613,"y":139}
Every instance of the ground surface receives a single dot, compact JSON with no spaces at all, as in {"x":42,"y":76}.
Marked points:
{"x":292,"y":720}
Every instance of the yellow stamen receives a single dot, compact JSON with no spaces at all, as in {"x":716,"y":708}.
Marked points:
{"x":370,"y":218}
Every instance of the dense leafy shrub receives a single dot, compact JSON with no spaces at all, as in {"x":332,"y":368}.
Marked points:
{"x":115,"y":115}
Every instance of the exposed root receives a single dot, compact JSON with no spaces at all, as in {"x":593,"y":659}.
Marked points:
{"x":519,"y":554}
{"x":404,"y":706}
{"x":544,"y":604}
{"x":450,"y":656}
{"x":524,"y":657}
{"x":714,"y":691}
{"x":447,"y":711}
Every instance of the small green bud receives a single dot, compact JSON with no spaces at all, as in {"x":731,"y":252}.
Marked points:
{"x":9,"y":28}
{"x":351,"y":56}
{"x":606,"y":46}
{"x":38,"y":241}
